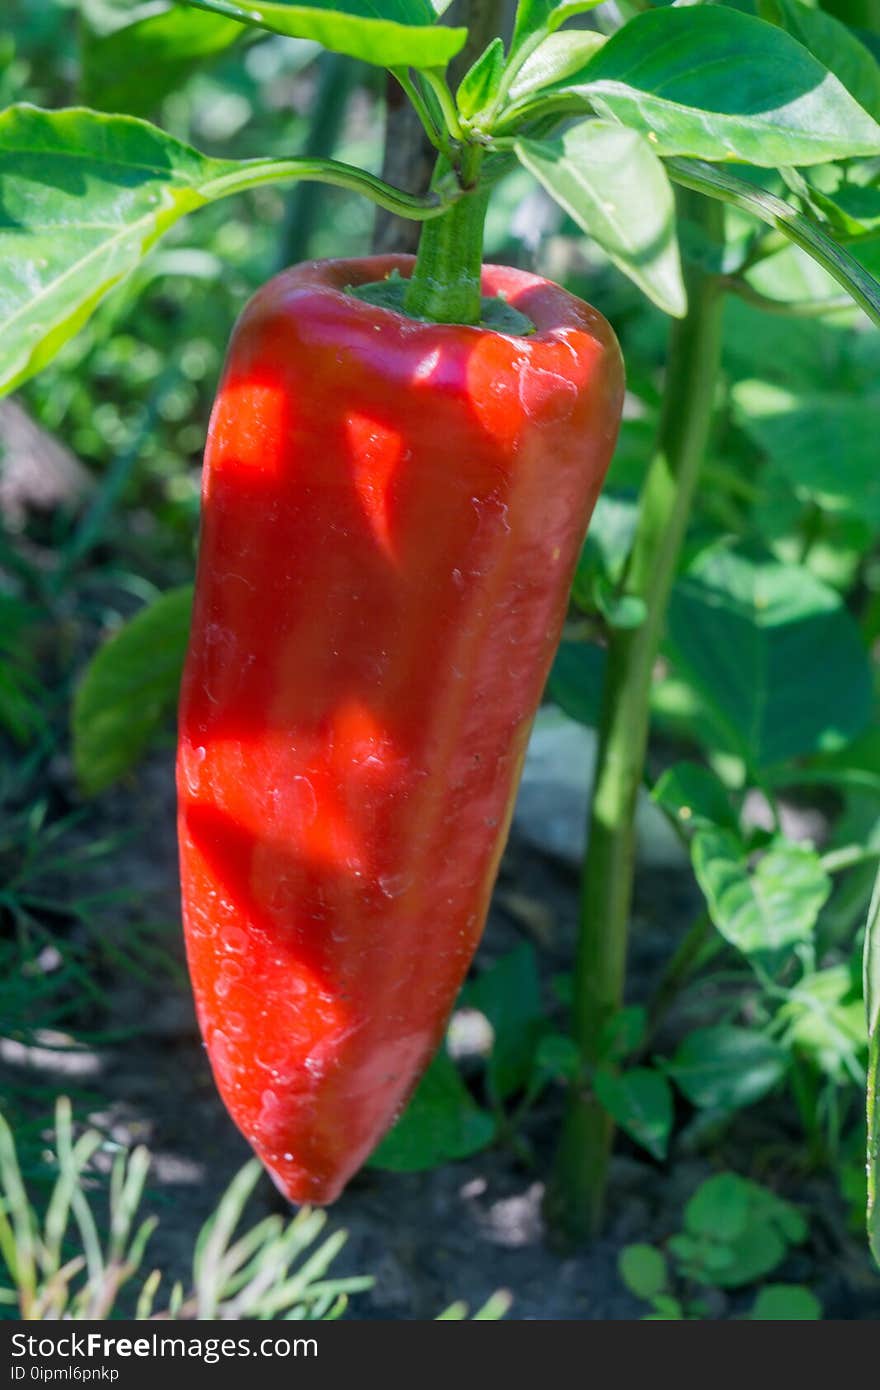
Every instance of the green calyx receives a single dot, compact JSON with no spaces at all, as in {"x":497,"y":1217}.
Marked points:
{"x":495,"y":312}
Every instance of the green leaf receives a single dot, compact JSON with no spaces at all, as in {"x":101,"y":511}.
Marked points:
{"x":666,"y":1309}
{"x":610,"y":182}
{"x":709,"y":1210}
{"x":643,"y":1269}
{"x":725,"y":1068}
{"x":623,"y":1033}
{"x":872,"y":1006}
{"x":509,"y":994}
{"x":640,"y":1101}
{"x":785,"y":1303}
{"x":824,"y":1020}
{"x":833,"y":44}
{"x":852,"y":206}
{"x":576,"y":680}
{"x":532,"y":16}
{"x":739,"y":1231}
{"x":608,"y":542}
{"x":389,"y":33}
{"x":857,"y":765}
{"x":765,"y":910}
{"x":84,"y":197}
{"x":825,"y":444}
{"x":558,"y":57}
{"x":162,"y":45}
{"x":745,"y":630}
{"x":558,"y":1055}
{"x":480,"y":82}
{"x":441,"y":1123}
{"x":618,"y":610}
{"x":712,"y":82}
{"x":720,"y":1207}
{"x":695,"y":796}
{"x":128,"y":689}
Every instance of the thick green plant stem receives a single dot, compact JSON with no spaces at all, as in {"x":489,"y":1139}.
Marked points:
{"x":576,"y":1198}
{"x":445,"y":283}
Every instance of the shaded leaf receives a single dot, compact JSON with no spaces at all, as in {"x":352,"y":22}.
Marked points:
{"x":558,"y":1055}
{"x":695,"y":796}
{"x":128,"y":689}
{"x":509,"y":994}
{"x":825,"y":444}
{"x":163,"y":46}
{"x":725,"y":1068}
{"x":576,"y":680}
{"x":623,"y":1033}
{"x":745,"y":630}
{"x":833,"y":44}
{"x":640,"y":1101}
{"x":442,"y":1122}
{"x":857,"y":273}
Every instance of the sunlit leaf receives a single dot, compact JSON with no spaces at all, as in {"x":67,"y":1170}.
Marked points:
{"x":765,"y":909}
{"x":608,"y":180}
{"x":711,"y":82}
{"x":390,"y":33}
{"x":83,"y":197}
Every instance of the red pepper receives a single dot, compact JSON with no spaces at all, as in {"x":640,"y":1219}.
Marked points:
{"x":392,"y":513}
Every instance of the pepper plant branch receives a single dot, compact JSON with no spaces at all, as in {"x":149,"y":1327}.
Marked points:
{"x":844,"y":268}
{"x":793,"y":309}
{"x":837,"y":860}
{"x":255,"y":172}
{"x":576,"y":1198}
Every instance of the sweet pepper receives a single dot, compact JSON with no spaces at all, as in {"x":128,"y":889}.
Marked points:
{"x":392,"y":514}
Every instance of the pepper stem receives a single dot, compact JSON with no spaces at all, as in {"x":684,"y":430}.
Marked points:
{"x":445,"y":283}
{"x":576,"y":1197}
